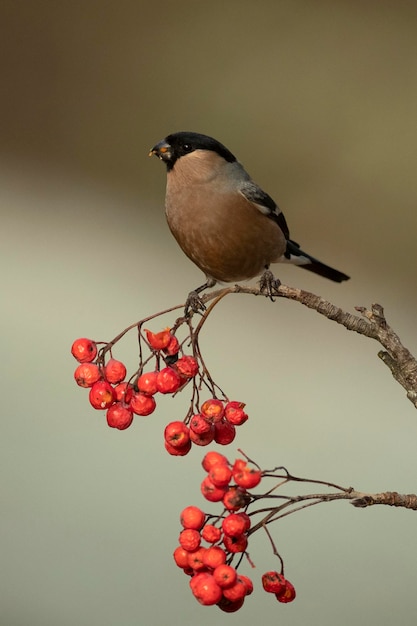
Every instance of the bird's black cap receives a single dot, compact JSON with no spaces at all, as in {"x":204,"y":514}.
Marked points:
{"x":179,"y":144}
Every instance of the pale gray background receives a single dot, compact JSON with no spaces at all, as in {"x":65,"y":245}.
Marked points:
{"x":318,"y":100}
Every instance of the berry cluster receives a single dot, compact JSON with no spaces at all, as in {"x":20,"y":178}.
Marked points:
{"x":215,"y":420}
{"x":213,"y":578}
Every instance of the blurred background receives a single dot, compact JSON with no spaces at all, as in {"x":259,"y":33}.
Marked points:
{"x":318,"y":100}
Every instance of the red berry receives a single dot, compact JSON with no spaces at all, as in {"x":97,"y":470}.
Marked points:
{"x":248,"y":583}
{"x":211,"y":534}
{"x":214,"y":556}
{"x":200,"y":425}
{"x":87,"y":374}
{"x":224,"y":433}
{"x":204,"y":439}
{"x":234,"y":413}
{"x":146,"y":383}
{"x":84,"y":350}
{"x":235,"y":544}
{"x":211,"y":492}
{"x":195,"y":559}
{"x":181,"y":557}
{"x":225,"y":575}
{"x":212,"y":409}
{"x":288,"y":595}
{"x":273,"y":582}
{"x":190,"y":539}
{"x":114,"y":371}
{"x":211,"y":458}
{"x":178,"y":450}
{"x":177,"y":434}
{"x":173,"y":346}
{"x":187,"y":366}
{"x":220,"y":475}
{"x":159,"y":341}
{"x":192,"y":517}
{"x":142,"y":404}
{"x":235,"y":498}
{"x":247,"y":477}
{"x":124,"y":392}
{"x":234,"y":525}
{"x":102,"y":395}
{"x":168,"y":380}
{"x":235,"y":592}
{"x":119,"y":416}
{"x":205,"y":589}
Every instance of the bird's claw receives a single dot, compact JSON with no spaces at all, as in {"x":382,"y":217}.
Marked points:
{"x":269,"y":285}
{"x":194,"y":303}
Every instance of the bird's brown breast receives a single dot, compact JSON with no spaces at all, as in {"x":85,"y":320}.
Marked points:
{"x":223,"y":233}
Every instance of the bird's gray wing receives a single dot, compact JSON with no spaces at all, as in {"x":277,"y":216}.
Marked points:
{"x":265,"y":204}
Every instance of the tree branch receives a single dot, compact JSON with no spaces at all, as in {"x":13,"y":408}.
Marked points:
{"x":371,"y":323}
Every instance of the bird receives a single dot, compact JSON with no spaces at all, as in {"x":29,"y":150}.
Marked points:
{"x":223,"y":221}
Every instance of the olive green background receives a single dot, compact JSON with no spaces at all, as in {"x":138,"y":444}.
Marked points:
{"x":318,"y":100}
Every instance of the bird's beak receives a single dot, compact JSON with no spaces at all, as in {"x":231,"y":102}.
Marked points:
{"x":162,"y":150}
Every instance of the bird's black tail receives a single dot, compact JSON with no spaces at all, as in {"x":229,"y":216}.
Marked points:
{"x":295,"y":255}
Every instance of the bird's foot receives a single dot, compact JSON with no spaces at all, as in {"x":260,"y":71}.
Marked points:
{"x":194,"y":303}
{"x":269,"y":285}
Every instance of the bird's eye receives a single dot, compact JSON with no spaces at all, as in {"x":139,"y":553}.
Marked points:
{"x":187,"y":147}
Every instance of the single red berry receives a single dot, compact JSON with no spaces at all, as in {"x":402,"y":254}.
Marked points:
{"x":212,"y":409}
{"x":190,"y":539}
{"x":288,"y":595}
{"x":205,"y":589}
{"x":235,"y":498}
{"x":177,"y":434}
{"x":200,"y":425}
{"x":195,"y":559}
{"x":114,"y":371}
{"x":173,"y":346}
{"x":192,"y":517}
{"x":214,"y":556}
{"x":246,"y":520}
{"x":168,"y":380}
{"x":181,"y":557}
{"x":211,"y":492}
{"x":225,"y":575}
{"x":187,"y":366}
{"x":142,"y":404}
{"x":220,"y":475}
{"x":248,"y":583}
{"x":234,"y":413}
{"x":202,"y":439}
{"x":124,"y":392}
{"x":235,"y":592}
{"x":119,"y":416}
{"x":159,"y":341}
{"x":102,"y":395}
{"x":87,"y":374}
{"x":178,"y":450}
{"x":247,"y":477}
{"x":230,"y":607}
{"x":235,"y":544}
{"x":224,"y":432}
{"x":211,"y":534}
{"x":239,"y":465}
{"x":234,"y":525}
{"x":146,"y":383}
{"x":84,"y":350}
{"x":273,"y":582}
{"x":211,"y":458}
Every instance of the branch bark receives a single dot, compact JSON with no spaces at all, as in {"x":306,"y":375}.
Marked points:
{"x":370,"y":323}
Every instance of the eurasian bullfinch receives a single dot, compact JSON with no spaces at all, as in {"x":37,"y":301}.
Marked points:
{"x":227,"y":225}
